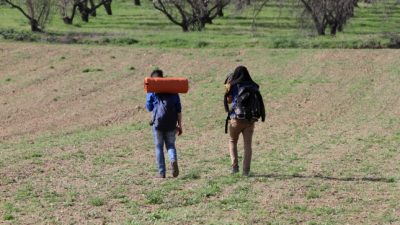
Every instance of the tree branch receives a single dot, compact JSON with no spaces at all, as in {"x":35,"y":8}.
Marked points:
{"x":164,"y":10}
{"x":19,"y":8}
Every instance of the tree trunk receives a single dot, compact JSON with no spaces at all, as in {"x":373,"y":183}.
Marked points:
{"x":93,"y":10}
{"x":185,"y":27}
{"x":320,"y":30}
{"x":334,"y":29}
{"x":35,"y":26}
{"x":340,"y":28}
{"x":84,"y":12}
{"x":220,"y":12}
{"x":67,"y":20}
{"x":93,"y":13}
{"x":85,"y":16}
{"x":319,"y":26}
{"x":107,"y":6}
{"x":136,"y":2}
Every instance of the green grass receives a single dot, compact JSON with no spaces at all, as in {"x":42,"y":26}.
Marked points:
{"x":327,"y":153}
{"x":146,"y":27}
{"x":96,"y":201}
{"x":9,"y":211}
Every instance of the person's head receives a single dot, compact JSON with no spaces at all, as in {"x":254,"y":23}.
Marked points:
{"x":240,"y":75}
{"x":241,"y":72}
{"x":157,"y":73}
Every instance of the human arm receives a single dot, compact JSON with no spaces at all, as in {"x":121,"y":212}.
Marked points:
{"x":228,"y":94}
{"x":229,"y":98}
{"x":232,"y":91}
{"x":179,"y":128}
{"x":150,"y":102}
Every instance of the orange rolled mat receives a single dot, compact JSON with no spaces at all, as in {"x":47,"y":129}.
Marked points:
{"x":166,"y":84}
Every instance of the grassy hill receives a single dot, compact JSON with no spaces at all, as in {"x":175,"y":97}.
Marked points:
{"x":76,"y":147}
{"x":373,"y":26}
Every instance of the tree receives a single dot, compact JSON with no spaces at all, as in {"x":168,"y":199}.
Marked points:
{"x":136,"y":2}
{"x":36,"y":11}
{"x":329,"y":13}
{"x":85,"y":7}
{"x":191,"y":15}
{"x":257,"y":8}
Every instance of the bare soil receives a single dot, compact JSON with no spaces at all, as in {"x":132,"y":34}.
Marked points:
{"x":73,"y":128}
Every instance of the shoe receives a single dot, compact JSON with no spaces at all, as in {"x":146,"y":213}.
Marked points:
{"x":160,"y":175}
{"x":235,"y":169}
{"x":175,"y":169}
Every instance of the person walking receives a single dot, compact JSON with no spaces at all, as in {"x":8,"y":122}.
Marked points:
{"x":247,"y":108}
{"x":166,"y":123}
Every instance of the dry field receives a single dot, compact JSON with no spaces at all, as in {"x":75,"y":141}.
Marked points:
{"x":76,"y":147}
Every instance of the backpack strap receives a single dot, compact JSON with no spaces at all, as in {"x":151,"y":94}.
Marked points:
{"x":226,"y":102}
{"x":226,"y":124}
{"x":227,"y":121}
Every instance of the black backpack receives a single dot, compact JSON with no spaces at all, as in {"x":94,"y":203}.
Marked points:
{"x":249,"y":105}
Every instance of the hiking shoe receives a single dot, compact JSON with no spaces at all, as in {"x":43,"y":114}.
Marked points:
{"x":160,"y":175}
{"x":235,"y":169}
{"x":175,"y":169}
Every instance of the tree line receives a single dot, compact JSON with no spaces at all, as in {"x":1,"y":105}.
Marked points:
{"x":194,"y":15}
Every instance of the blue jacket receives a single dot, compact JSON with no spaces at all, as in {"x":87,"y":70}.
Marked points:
{"x":152,"y":100}
{"x":165,"y":108}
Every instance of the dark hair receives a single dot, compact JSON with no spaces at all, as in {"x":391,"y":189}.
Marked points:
{"x":157,"y":73}
{"x":240,"y":75}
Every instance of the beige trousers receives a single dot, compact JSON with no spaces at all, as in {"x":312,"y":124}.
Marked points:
{"x":247,"y":129}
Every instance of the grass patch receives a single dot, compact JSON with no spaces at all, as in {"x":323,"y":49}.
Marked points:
{"x":9,"y":211}
{"x":155,"y":197}
{"x":71,"y":197}
{"x":97,"y":201}
{"x":25,"y":192}
{"x":192,"y":175}
{"x":144,"y":26}
{"x":90,"y":70}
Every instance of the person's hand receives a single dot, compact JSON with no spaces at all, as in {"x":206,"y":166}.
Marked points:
{"x":179,"y":130}
{"x":227,"y":87}
{"x":229,"y":98}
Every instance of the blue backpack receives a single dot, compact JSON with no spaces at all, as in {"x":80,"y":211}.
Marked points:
{"x":165,"y":115}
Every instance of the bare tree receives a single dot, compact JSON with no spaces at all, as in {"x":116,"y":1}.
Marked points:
{"x":258,"y":6}
{"x":191,"y":15}
{"x":36,"y":11}
{"x":86,"y":8}
{"x":64,"y":6}
{"x":329,"y":13}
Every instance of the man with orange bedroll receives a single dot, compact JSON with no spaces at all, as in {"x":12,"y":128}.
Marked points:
{"x":166,"y":123}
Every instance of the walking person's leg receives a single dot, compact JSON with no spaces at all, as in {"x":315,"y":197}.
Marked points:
{"x":234,"y":131}
{"x":247,"y":139}
{"x":159,"y":150}
{"x":171,"y":149}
